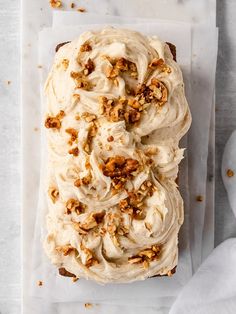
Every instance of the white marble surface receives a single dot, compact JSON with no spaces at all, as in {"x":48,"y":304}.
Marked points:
{"x":10,"y":140}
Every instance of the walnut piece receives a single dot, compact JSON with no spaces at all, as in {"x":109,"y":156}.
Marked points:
{"x":65,"y":249}
{"x":84,"y":181}
{"x":120,"y":65}
{"x":156,"y":93}
{"x":89,"y":67}
{"x":55,"y":4}
{"x":85,"y":47}
{"x":54,"y":194}
{"x":119,"y":166}
{"x":80,"y":80}
{"x":73,"y":135}
{"x":73,"y":205}
{"x":54,"y":122}
{"x":230,"y":173}
{"x":119,"y":109}
{"x":146,"y":256}
{"x":74,"y":151}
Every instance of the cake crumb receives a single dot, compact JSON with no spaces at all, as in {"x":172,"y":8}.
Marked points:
{"x":40,"y":283}
{"x":55,"y":4}
{"x":82,"y":10}
{"x":199,"y":198}
{"x":88,"y":305}
{"x":230,"y":173}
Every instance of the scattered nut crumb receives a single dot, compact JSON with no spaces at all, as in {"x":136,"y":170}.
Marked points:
{"x":55,"y":4}
{"x":72,"y":5}
{"x":36,"y":129}
{"x":8,"y":82}
{"x":88,"y":305}
{"x":40,"y":283}
{"x":82,"y":10}
{"x":40,"y":66}
{"x":199,"y":198}
{"x":230,"y":173}
{"x":74,"y":279}
{"x":110,"y":138}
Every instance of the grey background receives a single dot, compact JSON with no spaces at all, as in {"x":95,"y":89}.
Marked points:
{"x":10,"y":139}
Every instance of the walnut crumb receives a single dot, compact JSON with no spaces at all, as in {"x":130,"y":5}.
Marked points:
{"x":230,"y":173}
{"x":88,"y":305}
{"x":40,"y":66}
{"x":74,"y":279}
{"x":54,"y":122}
{"x":82,"y":10}
{"x":54,"y":194}
{"x":40,"y":283}
{"x":8,"y":82}
{"x":74,"y":151}
{"x":110,"y":138}
{"x":85,"y":47}
{"x":55,"y":4}
{"x":72,"y":5}
{"x":199,"y":198}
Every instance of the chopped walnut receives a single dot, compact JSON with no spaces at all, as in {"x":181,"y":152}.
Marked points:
{"x":54,"y":122}
{"x":199,"y":198}
{"x":91,"y":260}
{"x":146,"y":256}
{"x":89,"y":67}
{"x":73,"y":135}
{"x":85,"y":47}
{"x":119,"y":166}
{"x":121,"y":65}
{"x":84,"y":181}
{"x":65,"y":249}
{"x":230,"y":173}
{"x":155,"y":92}
{"x":80,"y":80}
{"x":55,"y":4}
{"x":40,"y":283}
{"x":54,"y":194}
{"x":73,"y":205}
{"x":118,"y":109}
{"x":92,"y":221}
{"x":82,"y":10}
{"x":72,"y":5}
{"x":110,"y":138}
{"x":88,"y":305}
{"x":74,"y":151}
{"x":160,"y":64}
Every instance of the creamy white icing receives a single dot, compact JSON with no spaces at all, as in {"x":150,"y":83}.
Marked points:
{"x":156,"y":135}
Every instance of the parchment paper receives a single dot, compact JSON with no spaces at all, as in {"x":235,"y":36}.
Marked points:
{"x":191,"y":11}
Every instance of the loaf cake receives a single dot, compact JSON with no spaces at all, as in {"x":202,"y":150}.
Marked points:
{"x":115,"y":113}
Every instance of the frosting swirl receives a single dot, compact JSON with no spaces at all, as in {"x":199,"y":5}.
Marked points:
{"x":116,"y":110}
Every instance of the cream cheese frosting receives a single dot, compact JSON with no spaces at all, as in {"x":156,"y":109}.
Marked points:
{"x":115,"y":113}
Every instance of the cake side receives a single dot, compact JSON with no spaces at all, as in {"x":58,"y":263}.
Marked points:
{"x":115,"y":113}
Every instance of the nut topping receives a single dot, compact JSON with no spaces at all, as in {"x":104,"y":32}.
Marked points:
{"x":54,"y":194}
{"x":85,"y":47}
{"x":119,"y":166}
{"x":65,"y":249}
{"x":73,"y":205}
{"x":54,"y":122}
